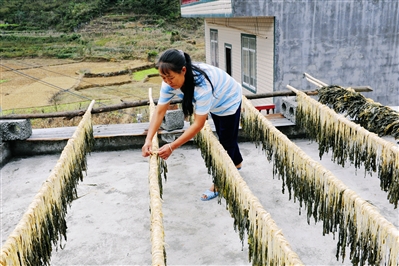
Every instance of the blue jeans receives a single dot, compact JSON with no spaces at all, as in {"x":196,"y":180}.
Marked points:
{"x":227,"y":131}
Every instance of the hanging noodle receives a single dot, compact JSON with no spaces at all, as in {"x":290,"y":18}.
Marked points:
{"x":350,"y":142}
{"x":267,"y":245}
{"x":44,"y":224}
{"x":157,"y":165}
{"x":371,"y":238}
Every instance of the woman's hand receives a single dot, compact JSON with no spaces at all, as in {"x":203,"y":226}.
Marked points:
{"x":165,"y":151}
{"x":155,"y":122}
{"x":146,"y":149}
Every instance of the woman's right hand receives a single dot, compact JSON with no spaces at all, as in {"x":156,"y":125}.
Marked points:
{"x":155,"y":122}
{"x":146,"y":149}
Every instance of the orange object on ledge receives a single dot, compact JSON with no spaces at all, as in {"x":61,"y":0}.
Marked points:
{"x":266,"y":107}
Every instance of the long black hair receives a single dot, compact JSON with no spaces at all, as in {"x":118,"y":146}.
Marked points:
{"x":174,"y":60}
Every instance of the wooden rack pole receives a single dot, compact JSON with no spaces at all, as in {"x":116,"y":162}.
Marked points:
{"x":314,"y":80}
{"x":125,"y":105}
{"x":157,"y":228}
{"x":322,"y":84}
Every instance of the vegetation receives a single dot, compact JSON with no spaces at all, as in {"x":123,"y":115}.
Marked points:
{"x":94,"y":29}
{"x":67,"y":16}
{"x":140,"y":75}
{"x":62,"y":46}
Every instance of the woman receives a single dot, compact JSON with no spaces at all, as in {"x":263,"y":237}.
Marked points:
{"x":204,"y":89}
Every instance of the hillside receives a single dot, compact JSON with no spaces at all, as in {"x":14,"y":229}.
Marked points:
{"x":111,"y":37}
{"x":51,"y":71}
{"x":70,"y":15}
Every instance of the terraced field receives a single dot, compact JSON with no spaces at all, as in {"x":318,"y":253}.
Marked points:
{"x":49,"y":85}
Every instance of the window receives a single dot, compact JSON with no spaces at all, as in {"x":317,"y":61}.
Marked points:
{"x":214,"y":48}
{"x":248,"y":59}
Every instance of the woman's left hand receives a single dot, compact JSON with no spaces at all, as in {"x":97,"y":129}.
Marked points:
{"x":165,"y":151}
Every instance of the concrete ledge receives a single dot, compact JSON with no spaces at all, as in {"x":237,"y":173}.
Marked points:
{"x":15,"y":129}
{"x":99,"y":131}
{"x":41,"y":147}
{"x":120,"y":137}
{"x":106,"y":138}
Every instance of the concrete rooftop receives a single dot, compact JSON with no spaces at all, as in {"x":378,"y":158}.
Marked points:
{"x":109,"y":224}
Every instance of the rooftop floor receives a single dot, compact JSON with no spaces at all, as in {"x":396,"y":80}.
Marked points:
{"x":109,"y":224}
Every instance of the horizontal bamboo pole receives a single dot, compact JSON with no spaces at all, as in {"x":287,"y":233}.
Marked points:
{"x":125,"y":105}
{"x":290,"y":93}
{"x":320,"y":84}
{"x":314,"y":80}
{"x":72,"y":114}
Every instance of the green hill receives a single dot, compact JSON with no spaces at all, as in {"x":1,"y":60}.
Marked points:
{"x":96,"y":29}
{"x":67,"y":16}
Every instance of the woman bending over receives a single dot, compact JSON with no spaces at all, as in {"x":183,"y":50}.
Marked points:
{"x":205,"y":89}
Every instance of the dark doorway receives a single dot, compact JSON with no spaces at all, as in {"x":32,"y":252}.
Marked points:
{"x":227,"y":49}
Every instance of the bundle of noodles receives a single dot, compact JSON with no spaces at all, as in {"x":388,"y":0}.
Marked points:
{"x":350,"y":141}
{"x":370,"y":237}
{"x":267,"y":245}
{"x":371,"y":115}
{"x":157,"y":165}
{"x":44,"y":224}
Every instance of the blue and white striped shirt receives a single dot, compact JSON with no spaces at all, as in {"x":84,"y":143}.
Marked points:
{"x":224,"y":100}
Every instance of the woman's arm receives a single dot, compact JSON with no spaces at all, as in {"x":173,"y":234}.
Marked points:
{"x":155,"y":123}
{"x":195,"y":127}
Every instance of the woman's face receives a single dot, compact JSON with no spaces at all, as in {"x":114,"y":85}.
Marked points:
{"x":174,"y":79}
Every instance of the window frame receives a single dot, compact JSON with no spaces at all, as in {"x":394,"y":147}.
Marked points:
{"x":214,"y":47}
{"x":248,"y":52}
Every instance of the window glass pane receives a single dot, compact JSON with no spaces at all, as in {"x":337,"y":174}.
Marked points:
{"x":245,"y":66}
{"x":253,"y":68}
{"x":214,"y":48}
{"x":246,"y":42}
{"x":249,"y":61}
{"x":252,"y":44}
